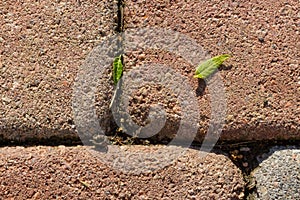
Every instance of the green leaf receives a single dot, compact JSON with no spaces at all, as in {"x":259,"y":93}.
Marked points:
{"x":208,"y":67}
{"x":117,"y":69}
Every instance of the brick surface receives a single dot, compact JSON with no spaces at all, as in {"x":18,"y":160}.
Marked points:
{"x":74,"y":173}
{"x":42,"y":45}
{"x":261,"y":78}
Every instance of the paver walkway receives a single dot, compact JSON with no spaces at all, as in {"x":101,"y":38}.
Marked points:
{"x":43,"y":44}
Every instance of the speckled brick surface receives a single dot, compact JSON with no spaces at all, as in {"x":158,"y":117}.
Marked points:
{"x":73,"y":173}
{"x":42,"y":45}
{"x":262,"y":78}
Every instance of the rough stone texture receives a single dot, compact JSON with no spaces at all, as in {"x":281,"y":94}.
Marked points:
{"x":278,"y":174}
{"x":42,"y":45}
{"x":262,"y":78}
{"x":73,"y":173}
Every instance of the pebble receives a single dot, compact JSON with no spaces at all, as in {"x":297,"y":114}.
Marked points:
{"x":6,"y":99}
{"x":142,"y":56}
{"x":245,"y":164}
{"x":144,"y":92}
{"x":245,"y":149}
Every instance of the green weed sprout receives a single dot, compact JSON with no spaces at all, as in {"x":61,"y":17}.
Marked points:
{"x":208,"y":67}
{"x":117,"y":69}
{"x":117,"y":73}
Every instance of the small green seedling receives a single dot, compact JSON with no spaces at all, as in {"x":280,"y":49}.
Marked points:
{"x":117,"y":75}
{"x":208,"y":67}
{"x":117,"y":69}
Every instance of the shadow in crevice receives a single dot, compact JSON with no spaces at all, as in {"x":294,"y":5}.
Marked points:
{"x":38,"y":136}
{"x":201,"y":87}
